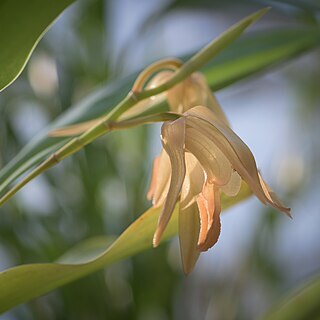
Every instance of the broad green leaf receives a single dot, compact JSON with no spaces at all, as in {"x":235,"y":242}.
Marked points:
{"x":22,"y":283}
{"x":302,"y":304}
{"x":22,"y":25}
{"x":248,"y":56}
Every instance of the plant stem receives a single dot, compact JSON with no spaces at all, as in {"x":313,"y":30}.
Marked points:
{"x":105,"y":125}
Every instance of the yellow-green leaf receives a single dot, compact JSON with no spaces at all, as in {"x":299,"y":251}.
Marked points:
{"x":25,"y":282}
{"x":22,"y":25}
{"x":302,"y":304}
{"x":244,"y":58}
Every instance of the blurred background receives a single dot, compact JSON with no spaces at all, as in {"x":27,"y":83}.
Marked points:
{"x":261,"y":254}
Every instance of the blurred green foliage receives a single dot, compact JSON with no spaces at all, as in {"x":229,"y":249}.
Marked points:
{"x":100,"y":190}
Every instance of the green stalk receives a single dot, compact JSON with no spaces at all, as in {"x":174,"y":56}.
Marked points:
{"x":108,"y":123}
{"x":79,"y":142}
{"x":206,"y":54}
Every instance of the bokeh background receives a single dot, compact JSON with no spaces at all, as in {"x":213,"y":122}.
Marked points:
{"x":261,"y":254}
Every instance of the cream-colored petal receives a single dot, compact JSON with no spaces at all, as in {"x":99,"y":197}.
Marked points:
{"x":146,"y":104}
{"x":185,"y":95}
{"x":206,"y":205}
{"x":273,"y":197}
{"x":191,"y":92}
{"x":208,"y":98}
{"x":232,"y":188}
{"x":214,"y":162}
{"x":214,"y":105}
{"x":193,"y":181}
{"x":209,"y":209}
{"x":215,"y":225}
{"x":238,"y":153}
{"x":175,"y":97}
{"x":172,"y":136}
{"x":154,"y":176}
{"x":189,"y":226}
{"x":204,"y":219}
{"x":163,"y":179}
{"x":194,"y":93}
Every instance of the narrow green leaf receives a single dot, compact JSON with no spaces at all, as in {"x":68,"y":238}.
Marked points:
{"x":22,"y":25}
{"x":303,"y":304}
{"x":93,"y":106}
{"x":210,"y":51}
{"x":257,"y":52}
{"x":23,"y":283}
{"x":248,"y":56}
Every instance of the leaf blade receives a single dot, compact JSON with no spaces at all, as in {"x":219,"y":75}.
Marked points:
{"x":302,"y":304}
{"x":23,"y":283}
{"x":21,"y":30}
{"x":235,"y":63}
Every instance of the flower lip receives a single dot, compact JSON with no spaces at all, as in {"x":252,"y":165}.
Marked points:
{"x":209,"y":208}
{"x":201,"y":158}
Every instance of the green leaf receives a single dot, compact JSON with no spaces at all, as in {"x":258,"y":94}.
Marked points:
{"x":257,"y":52}
{"x":303,"y":304}
{"x":198,"y":60}
{"x":248,"y":56}
{"x":22,"y":25}
{"x":210,"y":51}
{"x":22,"y":283}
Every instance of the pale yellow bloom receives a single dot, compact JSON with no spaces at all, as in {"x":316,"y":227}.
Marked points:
{"x":201,"y":158}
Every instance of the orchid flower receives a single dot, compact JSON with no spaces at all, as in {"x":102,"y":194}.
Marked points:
{"x":201,"y":158}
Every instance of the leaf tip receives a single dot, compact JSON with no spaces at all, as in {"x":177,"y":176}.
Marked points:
{"x":259,"y":14}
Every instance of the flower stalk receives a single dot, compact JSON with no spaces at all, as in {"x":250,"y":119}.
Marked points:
{"x":134,"y":97}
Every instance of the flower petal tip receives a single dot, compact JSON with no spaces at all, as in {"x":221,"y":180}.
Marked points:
{"x":279,"y":206}
{"x":288,"y":213}
{"x":203,"y":247}
{"x":188,"y":270}
{"x":156,"y":239}
{"x":188,"y":263}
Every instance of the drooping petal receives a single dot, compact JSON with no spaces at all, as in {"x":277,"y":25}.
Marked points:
{"x":191,"y":92}
{"x":183,"y":96}
{"x":154,"y":176}
{"x":273,"y":197}
{"x":172,"y":136}
{"x":215,"y":227}
{"x":189,"y":226}
{"x":232,"y":188}
{"x":193,"y":181}
{"x":206,"y":202}
{"x":214,"y":162}
{"x":204,"y":219}
{"x":163,"y":179}
{"x":208,"y":98}
{"x":214,"y":105}
{"x":209,"y":210}
{"x":237,"y":152}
